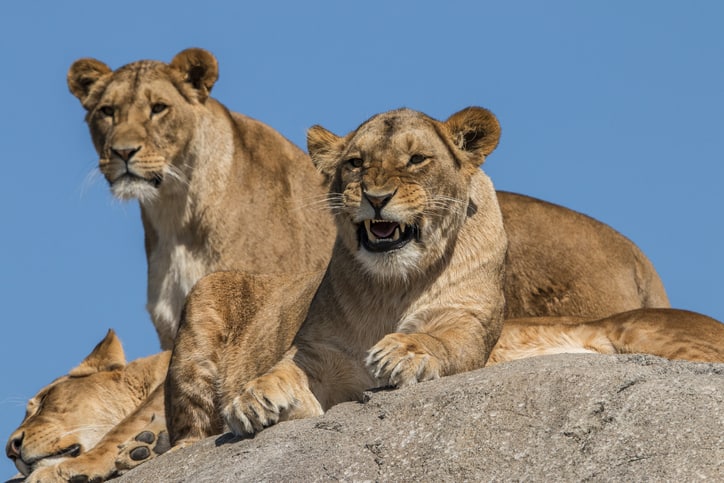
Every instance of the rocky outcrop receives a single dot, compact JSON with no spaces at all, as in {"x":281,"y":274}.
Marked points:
{"x":568,"y":417}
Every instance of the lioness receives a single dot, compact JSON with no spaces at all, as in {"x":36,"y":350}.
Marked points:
{"x":221,"y":191}
{"x":413,"y":290}
{"x":76,"y":431}
{"x":217,"y":189}
{"x":95,"y":406}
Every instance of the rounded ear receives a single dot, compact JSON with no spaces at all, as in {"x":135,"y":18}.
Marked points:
{"x":83,"y":74}
{"x":106,"y":356}
{"x":475,"y":130}
{"x":324,"y":148}
{"x":200,"y":69}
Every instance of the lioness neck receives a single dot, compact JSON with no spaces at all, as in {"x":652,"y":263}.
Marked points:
{"x":177,"y":225}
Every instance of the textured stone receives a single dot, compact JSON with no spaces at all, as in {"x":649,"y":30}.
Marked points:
{"x":568,"y":417}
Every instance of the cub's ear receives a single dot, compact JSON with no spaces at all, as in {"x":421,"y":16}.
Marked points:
{"x":324,"y":148}
{"x":83,"y":74}
{"x":106,"y":356}
{"x":474,"y":130}
{"x":199,"y":68}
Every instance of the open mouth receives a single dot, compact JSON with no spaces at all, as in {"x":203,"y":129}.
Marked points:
{"x":385,"y":235}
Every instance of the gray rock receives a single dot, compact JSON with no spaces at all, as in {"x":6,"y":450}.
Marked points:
{"x":568,"y":417}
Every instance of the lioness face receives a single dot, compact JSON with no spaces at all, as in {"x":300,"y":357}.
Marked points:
{"x":139,"y":133}
{"x":56,"y":425}
{"x":141,"y":118}
{"x":399,"y":190}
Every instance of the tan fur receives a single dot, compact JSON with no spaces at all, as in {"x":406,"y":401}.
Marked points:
{"x":70,"y":426}
{"x":218,"y":190}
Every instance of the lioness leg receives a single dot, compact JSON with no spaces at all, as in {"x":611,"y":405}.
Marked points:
{"x":235,"y":327}
{"x":669,"y":333}
{"x":447,"y":342}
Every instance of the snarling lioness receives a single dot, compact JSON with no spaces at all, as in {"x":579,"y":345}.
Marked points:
{"x":218,"y":190}
{"x":413,"y":290}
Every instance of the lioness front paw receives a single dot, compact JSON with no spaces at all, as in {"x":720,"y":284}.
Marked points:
{"x":399,"y":360}
{"x":149,"y":443}
{"x":266,"y":401}
{"x":261,"y":404}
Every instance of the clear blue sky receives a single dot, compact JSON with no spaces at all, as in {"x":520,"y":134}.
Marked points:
{"x":613,"y":108}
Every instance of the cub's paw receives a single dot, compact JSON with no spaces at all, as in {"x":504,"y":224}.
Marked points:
{"x":401,"y":360}
{"x":149,"y":443}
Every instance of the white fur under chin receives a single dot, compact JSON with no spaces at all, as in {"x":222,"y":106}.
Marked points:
{"x":395,"y":265}
{"x":128,"y":189}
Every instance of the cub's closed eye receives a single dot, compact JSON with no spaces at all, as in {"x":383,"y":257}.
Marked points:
{"x":107,"y":111}
{"x":158,"y":108}
{"x":355,"y":162}
{"x":417,"y":158}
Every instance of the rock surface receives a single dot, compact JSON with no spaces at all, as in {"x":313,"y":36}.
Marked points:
{"x":568,"y":417}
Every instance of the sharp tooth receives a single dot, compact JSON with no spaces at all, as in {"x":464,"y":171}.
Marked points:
{"x":402,"y":227}
{"x":371,"y":236}
{"x":396,"y":234}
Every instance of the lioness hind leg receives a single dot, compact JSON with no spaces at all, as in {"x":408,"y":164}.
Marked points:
{"x":281,"y":394}
{"x":149,"y":443}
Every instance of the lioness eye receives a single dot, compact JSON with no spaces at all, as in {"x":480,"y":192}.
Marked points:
{"x":355,"y":162}
{"x":158,"y":107}
{"x":417,"y":158}
{"x":107,"y":111}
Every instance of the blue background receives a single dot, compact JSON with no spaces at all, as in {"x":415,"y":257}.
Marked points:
{"x":614,"y":108}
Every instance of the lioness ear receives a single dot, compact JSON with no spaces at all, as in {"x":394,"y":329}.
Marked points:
{"x":83,"y":74}
{"x":324,"y":147}
{"x":474,"y":130}
{"x":200,"y":69}
{"x":106,"y":356}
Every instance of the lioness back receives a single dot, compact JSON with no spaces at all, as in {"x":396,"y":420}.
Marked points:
{"x":563,"y":263}
{"x":218,"y":190}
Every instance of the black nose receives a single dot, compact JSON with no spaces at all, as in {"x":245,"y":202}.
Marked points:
{"x":125,"y":154}
{"x":13,"y":447}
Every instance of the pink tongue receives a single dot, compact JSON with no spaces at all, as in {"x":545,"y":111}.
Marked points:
{"x":383,"y":229}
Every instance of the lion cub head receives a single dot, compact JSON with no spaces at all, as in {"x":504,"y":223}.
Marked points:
{"x":71,"y":414}
{"x":140,"y":117}
{"x":400,"y":184}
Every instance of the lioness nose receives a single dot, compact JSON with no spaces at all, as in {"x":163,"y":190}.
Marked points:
{"x":125,"y":154}
{"x":13,"y":448}
{"x":378,"y":201}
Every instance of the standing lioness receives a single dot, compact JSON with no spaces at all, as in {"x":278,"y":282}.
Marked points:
{"x":218,"y":190}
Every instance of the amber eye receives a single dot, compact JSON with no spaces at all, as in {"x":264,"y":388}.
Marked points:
{"x":107,"y":111}
{"x":417,"y":159}
{"x":158,"y":108}
{"x":354,"y":162}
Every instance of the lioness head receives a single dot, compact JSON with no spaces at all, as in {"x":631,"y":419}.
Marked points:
{"x":399,"y":184}
{"x":140,"y":117}
{"x":56,"y":425}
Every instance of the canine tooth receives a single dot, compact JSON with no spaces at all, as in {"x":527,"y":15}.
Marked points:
{"x":396,"y":234}
{"x":370,"y":235}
